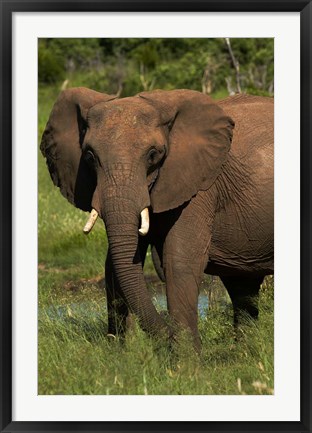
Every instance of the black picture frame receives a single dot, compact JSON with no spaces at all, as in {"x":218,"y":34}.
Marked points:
{"x":7,"y":9}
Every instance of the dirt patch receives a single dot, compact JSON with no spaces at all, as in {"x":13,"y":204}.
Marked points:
{"x":85,"y":283}
{"x":43,"y":267}
{"x":98,"y":281}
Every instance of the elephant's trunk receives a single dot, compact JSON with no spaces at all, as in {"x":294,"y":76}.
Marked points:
{"x":121,"y":213}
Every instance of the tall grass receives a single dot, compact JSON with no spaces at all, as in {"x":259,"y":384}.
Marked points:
{"x":74,"y":354}
{"x":75,"y":357}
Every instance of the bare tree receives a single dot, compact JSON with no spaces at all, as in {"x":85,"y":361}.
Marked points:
{"x":65,"y":84}
{"x":206,"y":81}
{"x":258,"y":77}
{"x":119,"y":91}
{"x":120,"y":73}
{"x":208,"y":76}
{"x":146,"y":83}
{"x":235,"y":64}
{"x":229,"y":85}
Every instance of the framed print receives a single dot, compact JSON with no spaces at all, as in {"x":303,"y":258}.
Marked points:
{"x":185,"y":128}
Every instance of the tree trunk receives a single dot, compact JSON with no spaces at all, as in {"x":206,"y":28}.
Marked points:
{"x":235,"y":64}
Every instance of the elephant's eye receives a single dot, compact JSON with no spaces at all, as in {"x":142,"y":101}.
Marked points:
{"x":89,"y":157}
{"x":152,"y":156}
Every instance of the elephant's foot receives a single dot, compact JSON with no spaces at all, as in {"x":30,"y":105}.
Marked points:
{"x":244,"y":293}
{"x":184,"y":344}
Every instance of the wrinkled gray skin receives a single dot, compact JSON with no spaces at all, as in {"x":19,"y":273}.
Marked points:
{"x":208,"y":185}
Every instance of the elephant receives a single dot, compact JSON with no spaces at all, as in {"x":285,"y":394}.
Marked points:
{"x":191,"y":176}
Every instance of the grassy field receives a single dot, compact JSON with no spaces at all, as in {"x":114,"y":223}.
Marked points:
{"x":74,"y":354}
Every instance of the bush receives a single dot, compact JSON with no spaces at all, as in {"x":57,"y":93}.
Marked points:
{"x":127,"y":66}
{"x":50,"y":67}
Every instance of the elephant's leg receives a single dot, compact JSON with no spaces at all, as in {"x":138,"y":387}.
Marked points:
{"x":185,"y":256}
{"x":183,"y":281}
{"x":157,"y":263}
{"x":244,"y":293}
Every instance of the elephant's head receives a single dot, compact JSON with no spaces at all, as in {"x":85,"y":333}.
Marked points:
{"x":121,"y":156}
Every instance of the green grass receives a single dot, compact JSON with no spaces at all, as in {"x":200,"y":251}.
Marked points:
{"x":74,"y":355}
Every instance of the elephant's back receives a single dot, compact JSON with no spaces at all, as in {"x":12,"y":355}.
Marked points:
{"x":243,"y":231}
{"x":254,"y":125}
{"x":253,"y":139}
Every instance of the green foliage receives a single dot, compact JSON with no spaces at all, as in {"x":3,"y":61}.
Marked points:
{"x":50,"y":65}
{"x":256,"y":58}
{"x":128,"y":66}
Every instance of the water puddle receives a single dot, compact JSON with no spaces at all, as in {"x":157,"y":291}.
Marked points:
{"x":160,"y":301}
{"x":86,"y":308}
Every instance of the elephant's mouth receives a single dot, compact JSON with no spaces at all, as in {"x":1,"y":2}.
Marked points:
{"x":143,"y":230}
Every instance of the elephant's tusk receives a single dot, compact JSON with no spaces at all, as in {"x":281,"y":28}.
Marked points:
{"x":111,"y":336}
{"x":91,"y":221}
{"x":143,"y":230}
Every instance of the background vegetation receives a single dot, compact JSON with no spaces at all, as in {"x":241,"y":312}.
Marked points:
{"x":127,"y":66}
{"x":74,"y":355}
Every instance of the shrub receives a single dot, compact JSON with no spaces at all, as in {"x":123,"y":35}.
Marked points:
{"x":50,"y":67}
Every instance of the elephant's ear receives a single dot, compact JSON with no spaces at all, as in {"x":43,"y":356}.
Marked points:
{"x":200,"y":137}
{"x":61,"y":145}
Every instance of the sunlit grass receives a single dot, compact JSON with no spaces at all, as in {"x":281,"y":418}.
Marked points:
{"x":75,"y":356}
